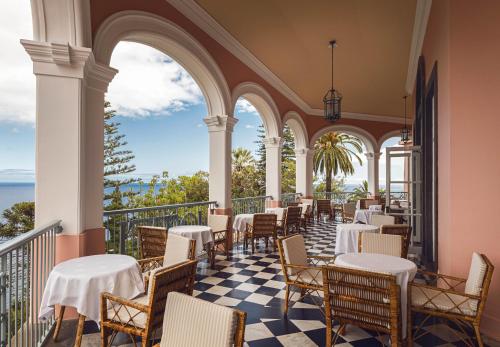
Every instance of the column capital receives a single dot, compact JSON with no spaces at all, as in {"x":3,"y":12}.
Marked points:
{"x":273,"y":142}
{"x":304,"y":152}
{"x":220,"y":123}
{"x":371,"y":155}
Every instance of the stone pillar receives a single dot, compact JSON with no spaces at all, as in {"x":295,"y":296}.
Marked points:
{"x":273,"y":170}
{"x":220,"y":129}
{"x":304,"y":172}
{"x":373,"y":173}
{"x":70,"y":89}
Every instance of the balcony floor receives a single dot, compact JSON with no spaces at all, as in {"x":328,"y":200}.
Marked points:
{"x":254,"y":283}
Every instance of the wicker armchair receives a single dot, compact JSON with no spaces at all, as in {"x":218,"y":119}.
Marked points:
{"x":292,"y":204}
{"x":380,"y":244}
{"x":194,"y":322}
{"x":381,"y":219}
{"x":365,"y":299}
{"x":152,"y":241}
{"x":348,"y":211}
{"x":178,"y":249}
{"x":263,"y":226}
{"x":310,"y":203}
{"x":143,"y":315}
{"x":402,"y":230}
{"x":221,"y":229}
{"x":324,"y":206}
{"x":302,"y":272}
{"x":291,"y":220}
{"x":306,"y":216}
{"x":459,"y":300}
{"x":365,"y":203}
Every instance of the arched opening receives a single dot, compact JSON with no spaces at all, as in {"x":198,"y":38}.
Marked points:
{"x":299,"y":161}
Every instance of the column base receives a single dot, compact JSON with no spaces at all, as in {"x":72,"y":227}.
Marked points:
{"x":89,"y":242}
{"x":273,"y":203}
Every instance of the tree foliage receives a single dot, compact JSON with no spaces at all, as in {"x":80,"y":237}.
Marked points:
{"x":19,"y":219}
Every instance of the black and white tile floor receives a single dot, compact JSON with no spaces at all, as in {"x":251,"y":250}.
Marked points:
{"x":254,"y":283}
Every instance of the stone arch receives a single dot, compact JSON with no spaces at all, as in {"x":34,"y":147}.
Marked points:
{"x":298,"y":127}
{"x":167,"y":37}
{"x":365,"y":137}
{"x":387,"y":136}
{"x":264,"y":104}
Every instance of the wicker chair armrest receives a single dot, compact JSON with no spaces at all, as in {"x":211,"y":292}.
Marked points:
{"x":301,"y":267}
{"x":122,"y":301}
{"x":149,"y":264}
{"x":447,"y":291}
{"x":326,"y":260}
{"x":451,"y":281}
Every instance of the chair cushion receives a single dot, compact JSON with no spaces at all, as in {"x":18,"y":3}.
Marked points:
{"x":381,"y":244}
{"x":177,"y":250}
{"x":445,"y":302}
{"x":379,"y":220}
{"x":218,"y":222}
{"x":190,"y":321}
{"x":309,"y":276}
{"x":294,"y":249}
{"x":477,"y":272}
{"x":129,"y":315}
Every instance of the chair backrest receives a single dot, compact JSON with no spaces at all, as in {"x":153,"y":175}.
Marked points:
{"x":293,"y":215}
{"x":296,"y":203}
{"x":403,"y":230}
{"x":307,"y":201}
{"x":479,"y":279}
{"x":292,"y":250}
{"x":152,"y":241}
{"x":380,"y":244}
{"x":264,"y":224}
{"x":191,"y":321}
{"x":366,"y":299}
{"x":164,"y":280}
{"x":218,"y":222}
{"x":178,"y":249}
{"x":323,"y":205}
{"x":349,"y":209}
{"x":381,"y":219}
{"x":365,"y":202}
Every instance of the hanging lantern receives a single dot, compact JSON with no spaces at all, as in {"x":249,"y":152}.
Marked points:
{"x":332,"y":99}
{"x":405,"y":132}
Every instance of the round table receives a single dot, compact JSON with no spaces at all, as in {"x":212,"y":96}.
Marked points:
{"x":403,"y":269}
{"x":346,"y":240}
{"x":365,"y":216}
{"x":201,"y":233}
{"x":278,"y":211}
{"x":79,"y":283}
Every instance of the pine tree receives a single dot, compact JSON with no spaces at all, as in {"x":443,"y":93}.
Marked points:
{"x":261,"y":160}
{"x":116,"y":162}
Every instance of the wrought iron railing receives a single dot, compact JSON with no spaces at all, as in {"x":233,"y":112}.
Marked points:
{"x":25,"y":264}
{"x":256,"y":204}
{"x":120,"y":225}
{"x":289,"y":197}
{"x":337,"y":197}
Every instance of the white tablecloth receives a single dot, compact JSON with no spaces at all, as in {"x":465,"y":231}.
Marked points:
{"x":364,"y":216}
{"x":375,"y":208}
{"x":241,"y":220}
{"x":278,"y":211}
{"x":79,"y":283}
{"x":403,"y":269}
{"x":347,"y":236}
{"x":201,"y":233}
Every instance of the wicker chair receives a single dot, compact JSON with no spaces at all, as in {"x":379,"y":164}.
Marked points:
{"x":291,"y":220}
{"x":194,"y":322}
{"x":306,"y":216}
{"x":221,"y":228}
{"x":152,"y":241}
{"x":367,"y":202}
{"x":143,"y":315}
{"x":263,"y":226}
{"x":178,"y":249}
{"x":301,"y":271}
{"x":446,"y":298}
{"x":402,"y":230}
{"x":310,"y":203}
{"x":365,"y":299}
{"x":324,"y":206}
{"x":380,"y":244}
{"x":380,"y":219}
{"x":348,"y":211}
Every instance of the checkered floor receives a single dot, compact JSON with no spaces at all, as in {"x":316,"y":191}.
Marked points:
{"x":254,"y":283}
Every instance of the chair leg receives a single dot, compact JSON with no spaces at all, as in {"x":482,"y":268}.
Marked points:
{"x":478,"y":335}
{"x":253,"y":245}
{"x":59,"y":323}
{"x":104,"y":336}
{"x":287,"y":298}
{"x":79,"y":330}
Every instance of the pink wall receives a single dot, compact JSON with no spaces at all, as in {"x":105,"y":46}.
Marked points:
{"x":463,"y":38}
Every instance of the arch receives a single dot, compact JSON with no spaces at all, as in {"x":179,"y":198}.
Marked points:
{"x":264,"y":104}
{"x":387,"y":136}
{"x":167,"y":37}
{"x":298,"y":127}
{"x":367,"y":138}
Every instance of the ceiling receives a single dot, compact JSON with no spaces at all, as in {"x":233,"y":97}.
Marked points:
{"x":291,"y":38}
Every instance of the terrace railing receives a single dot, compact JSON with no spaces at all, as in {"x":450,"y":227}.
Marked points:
{"x":337,"y":197}
{"x":289,"y":197}
{"x":25,"y":264}
{"x":120,"y":225}
{"x":255,"y":204}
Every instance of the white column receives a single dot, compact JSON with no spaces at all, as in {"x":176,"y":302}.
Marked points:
{"x":273,"y":168}
{"x":220,"y":129}
{"x":69,"y":135}
{"x":373,"y":173}
{"x":304,"y":172}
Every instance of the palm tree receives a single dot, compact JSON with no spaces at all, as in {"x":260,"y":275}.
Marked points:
{"x":241,"y":158}
{"x":361,"y":191}
{"x":334,"y":153}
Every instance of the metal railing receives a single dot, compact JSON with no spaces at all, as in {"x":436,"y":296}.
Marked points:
{"x":337,"y":197}
{"x":120,"y":225}
{"x":25,"y":264}
{"x":256,"y":204}
{"x":289,"y":197}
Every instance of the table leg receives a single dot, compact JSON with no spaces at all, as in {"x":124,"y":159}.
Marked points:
{"x":59,"y":323}
{"x":79,"y":330}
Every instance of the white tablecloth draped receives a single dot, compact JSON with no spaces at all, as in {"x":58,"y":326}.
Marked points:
{"x":364,"y":216}
{"x":375,"y":208}
{"x":346,"y":240}
{"x":79,"y":283}
{"x":201,"y":233}
{"x":241,"y":220}
{"x":403,"y":269}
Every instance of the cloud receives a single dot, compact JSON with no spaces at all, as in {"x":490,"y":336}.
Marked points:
{"x":149,"y":83}
{"x":249,"y":126}
{"x":244,"y":106}
{"x":17,"y":82}
{"x":15,"y":131}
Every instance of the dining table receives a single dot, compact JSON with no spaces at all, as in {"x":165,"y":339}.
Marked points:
{"x":347,"y":235}
{"x":365,"y":215}
{"x":201,"y":233}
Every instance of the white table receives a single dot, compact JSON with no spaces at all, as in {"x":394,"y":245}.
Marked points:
{"x":346,"y":240}
{"x":279,"y":212}
{"x":79,"y":283}
{"x":364,"y":216}
{"x":403,"y":269}
{"x":201,"y":233}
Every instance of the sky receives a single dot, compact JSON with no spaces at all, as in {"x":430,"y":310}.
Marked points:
{"x":160,"y":108}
